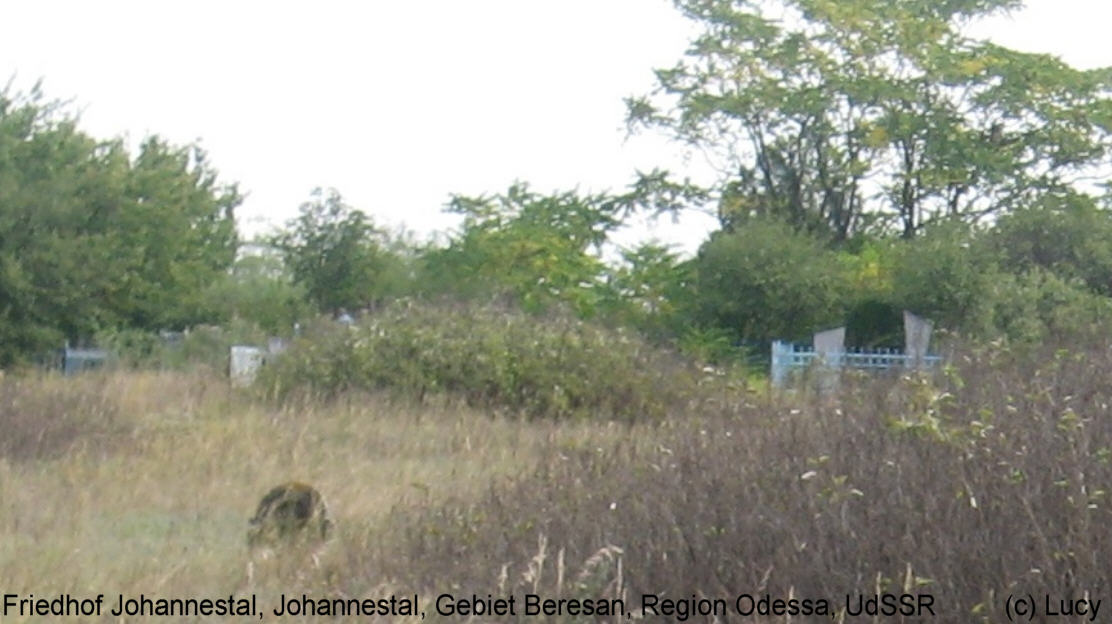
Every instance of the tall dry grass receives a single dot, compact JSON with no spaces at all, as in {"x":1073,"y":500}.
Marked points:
{"x":989,"y":480}
{"x":140,"y":482}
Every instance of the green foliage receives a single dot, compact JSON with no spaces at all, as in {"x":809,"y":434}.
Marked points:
{"x":810,"y":104}
{"x":650,"y":290}
{"x":553,"y":367}
{"x":1033,"y":277}
{"x":1037,"y":305}
{"x":766,"y":281}
{"x":710,"y":344}
{"x":943,"y":275}
{"x":91,"y":238}
{"x":259,"y":290}
{"x":336,"y":254}
{"x":175,"y":236}
{"x":1067,"y":235}
{"x":535,"y":248}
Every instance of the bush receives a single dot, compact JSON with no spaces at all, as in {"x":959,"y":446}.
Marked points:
{"x":201,"y":346}
{"x":552,"y":366}
{"x":765,"y":281}
{"x":1068,"y":236}
{"x":943,"y":275}
{"x":1037,"y":305}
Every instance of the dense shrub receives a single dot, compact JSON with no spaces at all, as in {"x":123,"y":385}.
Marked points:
{"x":1038,"y":305}
{"x":943,"y":275}
{"x":555,"y":366}
{"x":991,"y":481}
{"x":765,"y":281}
{"x":1068,"y":236}
{"x":204,"y":346}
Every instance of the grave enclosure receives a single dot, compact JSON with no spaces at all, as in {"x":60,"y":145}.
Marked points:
{"x":829,"y":356}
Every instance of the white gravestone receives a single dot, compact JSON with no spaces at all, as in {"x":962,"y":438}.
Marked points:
{"x":244,"y":364}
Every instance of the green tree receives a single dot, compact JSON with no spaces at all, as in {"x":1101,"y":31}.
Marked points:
{"x":766,"y":281}
{"x":335,"y":253}
{"x":175,"y":235}
{"x":652,"y":289}
{"x":538,"y":249}
{"x":944,"y":275}
{"x":258,"y":289}
{"x":93,"y":239}
{"x":1067,"y":235}
{"x":841,"y":115}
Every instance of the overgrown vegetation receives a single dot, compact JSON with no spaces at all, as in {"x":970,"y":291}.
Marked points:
{"x":571,"y":440}
{"x":497,"y":358}
{"x":873,"y":160}
{"x":42,"y":419}
{"x":990,"y":481}
{"x":987,"y":480}
{"x":205,"y":347}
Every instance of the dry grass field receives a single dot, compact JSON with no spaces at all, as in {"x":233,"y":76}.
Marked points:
{"x":988,"y":482}
{"x":137,"y":482}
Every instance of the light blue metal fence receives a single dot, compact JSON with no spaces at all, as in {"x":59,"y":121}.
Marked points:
{"x":77,"y":360}
{"x":788,"y":357}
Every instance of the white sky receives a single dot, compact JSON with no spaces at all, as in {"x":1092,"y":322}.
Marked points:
{"x":400,"y":104}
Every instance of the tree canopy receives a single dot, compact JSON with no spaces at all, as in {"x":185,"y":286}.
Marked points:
{"x":336,"y":253}
{"x":92,"y":237}
{"x":872,"y":157}
{"x":872,"y":115}
{"x":536,"y":248}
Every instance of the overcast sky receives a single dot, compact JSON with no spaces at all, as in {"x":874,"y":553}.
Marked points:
{"x":397,"y":105}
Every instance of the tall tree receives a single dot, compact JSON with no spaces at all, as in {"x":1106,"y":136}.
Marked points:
{"x":259,"y":290}
{"x":335,"y":252}
{"x":536,"y":248}
{"x":91,"y":238}
{"x":175,"y":234}
{"x":840,"y":115}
